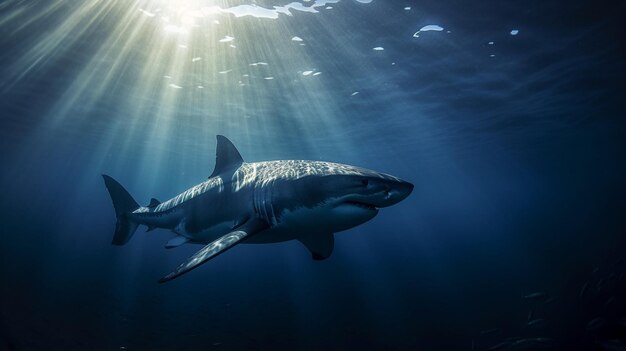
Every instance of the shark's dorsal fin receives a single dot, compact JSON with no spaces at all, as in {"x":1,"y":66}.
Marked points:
{"x":320,"y":244}
{"x":226,"y":157}
{"x":154,"y":203}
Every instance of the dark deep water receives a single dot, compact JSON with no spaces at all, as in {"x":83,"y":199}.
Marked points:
{"x":518,"y":162}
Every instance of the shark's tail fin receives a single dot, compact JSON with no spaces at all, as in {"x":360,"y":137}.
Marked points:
{"x":124,"y":204}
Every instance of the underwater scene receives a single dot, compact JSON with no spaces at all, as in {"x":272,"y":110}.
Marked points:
{"x":312,"y":175}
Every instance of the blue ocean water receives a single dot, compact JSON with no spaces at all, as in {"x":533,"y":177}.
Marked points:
{"x":508,"y":117}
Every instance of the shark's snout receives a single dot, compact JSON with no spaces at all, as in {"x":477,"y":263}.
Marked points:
{"x":403,"y":190}
{"x":383,"y":192}
{"x":395,"y":191}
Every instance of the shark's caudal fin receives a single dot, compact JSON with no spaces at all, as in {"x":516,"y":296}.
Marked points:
{"x":123,"y":204}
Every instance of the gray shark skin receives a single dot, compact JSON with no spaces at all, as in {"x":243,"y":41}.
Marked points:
{"x":261,"y":202}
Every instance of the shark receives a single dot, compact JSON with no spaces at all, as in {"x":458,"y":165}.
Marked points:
{"x":260,"y":203}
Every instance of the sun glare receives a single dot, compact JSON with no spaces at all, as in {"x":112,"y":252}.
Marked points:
{"x":174,"y":68}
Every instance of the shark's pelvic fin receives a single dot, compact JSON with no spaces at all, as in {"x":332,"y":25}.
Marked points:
{"x":154,"y":203}
{"x":320,"y":244}
{"x":226,"y":157}
{"x":218,"y":246}
{"x":123,"y":204}
{"x":176,"y":241}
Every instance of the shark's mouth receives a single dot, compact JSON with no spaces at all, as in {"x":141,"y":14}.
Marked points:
{"x":362,"y":205}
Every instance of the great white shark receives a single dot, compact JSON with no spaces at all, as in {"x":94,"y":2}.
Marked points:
{"x":259,"y":203}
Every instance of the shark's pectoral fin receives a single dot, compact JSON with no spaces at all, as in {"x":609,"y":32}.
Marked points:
{"x":320,"y":244}
{"x":240,"y":222}
{"x":176,"y":242}
{"x":218,"y":246}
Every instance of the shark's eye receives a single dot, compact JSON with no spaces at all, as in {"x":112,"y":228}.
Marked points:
{"x":364,"y":182}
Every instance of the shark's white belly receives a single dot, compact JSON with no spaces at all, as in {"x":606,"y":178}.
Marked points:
{"x":304,"y":221}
